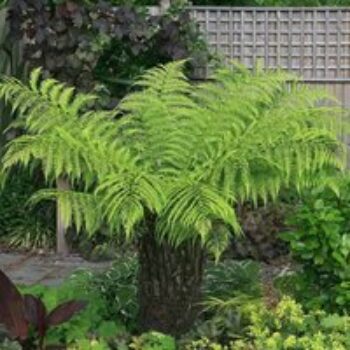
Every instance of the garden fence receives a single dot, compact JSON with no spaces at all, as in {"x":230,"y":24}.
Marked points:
{"x":311,"y":42}
{"x":314,"y":43}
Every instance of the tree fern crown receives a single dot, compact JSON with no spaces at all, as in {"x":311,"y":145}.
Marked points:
{"x":183,"y":153}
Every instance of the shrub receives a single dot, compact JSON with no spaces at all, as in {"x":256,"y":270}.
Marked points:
{"x":22,"y":225}
{"x":320,"y":242}
{"x":229,"y":277}
{"x":261,"y":225}
{"x":153,"y":341}
{"x":117,"y":288}
{"x":228,"y":287}
{"x":288,"y":327}
{"x":203,"y":344}
{"x":92,"y":45}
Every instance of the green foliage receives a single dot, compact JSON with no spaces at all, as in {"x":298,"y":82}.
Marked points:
{"x":288,"y":327}
{"x":170,"y":154}
{"x":225,"y":282}
{"x":87,"y":344}
{"x":21,"y":225}
{"x":9,"y":345}
{"x":204,"y":344}
{"x":153,"y":341}
{"x":320,"y":241}
{"x":92,"y":45}
{"x":117,"y":288}
{"x":10,"y":64}
{"x":228,"y":287}
{"x":228,"y":278}
{"x":93,"y":322}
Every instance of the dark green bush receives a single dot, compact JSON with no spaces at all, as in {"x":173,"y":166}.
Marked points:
{"x":229,"y":278}
{"x":92,"y":46}
{"x":22,"y":225}
{"x":117,"y":288}
{"x":228,"y":287}
{"x":320,"y":242}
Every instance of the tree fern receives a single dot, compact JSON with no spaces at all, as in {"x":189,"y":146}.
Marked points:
{"x":185,"y":153}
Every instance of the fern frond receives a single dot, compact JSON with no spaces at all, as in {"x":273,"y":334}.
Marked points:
{"x":185,"y":153}
{"x":80,"y":208}
{"x":194,"y":206}
{"x":126,"y":196}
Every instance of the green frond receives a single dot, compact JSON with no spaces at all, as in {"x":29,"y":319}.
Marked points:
{"x":158,"y":117}
{"x":218,"y":240}
{"x":185,"y":153}
{"x":80,"y":208}
{"x":126,"y":196}
{"x":194,"y":206}
{"x":34,"y":79}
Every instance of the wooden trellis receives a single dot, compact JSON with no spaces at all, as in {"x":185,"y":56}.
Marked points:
{"x":312,"y":42}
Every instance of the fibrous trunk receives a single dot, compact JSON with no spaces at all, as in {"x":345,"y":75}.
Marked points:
{"x":169,"y":285}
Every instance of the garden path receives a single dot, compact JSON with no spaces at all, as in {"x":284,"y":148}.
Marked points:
{"x":44,"y":269}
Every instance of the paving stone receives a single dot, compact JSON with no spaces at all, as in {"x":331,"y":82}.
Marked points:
{"x":8,"y":259}
{"x":48,"y":270}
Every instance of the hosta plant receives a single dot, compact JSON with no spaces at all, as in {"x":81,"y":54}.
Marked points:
{"x":170,"y":170}
{"x":20,"y":314}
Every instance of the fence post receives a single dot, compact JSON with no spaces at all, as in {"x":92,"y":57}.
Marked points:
{"x":164,"y":5}
{"x":61,"y":241}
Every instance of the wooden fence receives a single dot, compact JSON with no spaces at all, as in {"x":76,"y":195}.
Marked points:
{"x":311,"y":42}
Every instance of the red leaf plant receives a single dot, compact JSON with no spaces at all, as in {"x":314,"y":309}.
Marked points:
{"x":20,"y":313}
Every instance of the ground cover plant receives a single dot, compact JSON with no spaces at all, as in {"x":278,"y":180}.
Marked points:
{"x":244,"y":135}
{"x":288,"y":326}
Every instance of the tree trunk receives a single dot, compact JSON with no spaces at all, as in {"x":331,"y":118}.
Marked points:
{"x":61,"y":241}
{"x":169,"y":285}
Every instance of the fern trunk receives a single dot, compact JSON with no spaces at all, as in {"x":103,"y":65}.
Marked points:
{"x":169,"y":285}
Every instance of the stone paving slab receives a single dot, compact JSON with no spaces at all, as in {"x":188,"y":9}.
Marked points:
{"x":7,"y":259}
{"x":31,"y":269}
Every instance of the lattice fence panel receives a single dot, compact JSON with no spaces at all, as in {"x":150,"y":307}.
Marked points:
{"x":312,"y":42}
